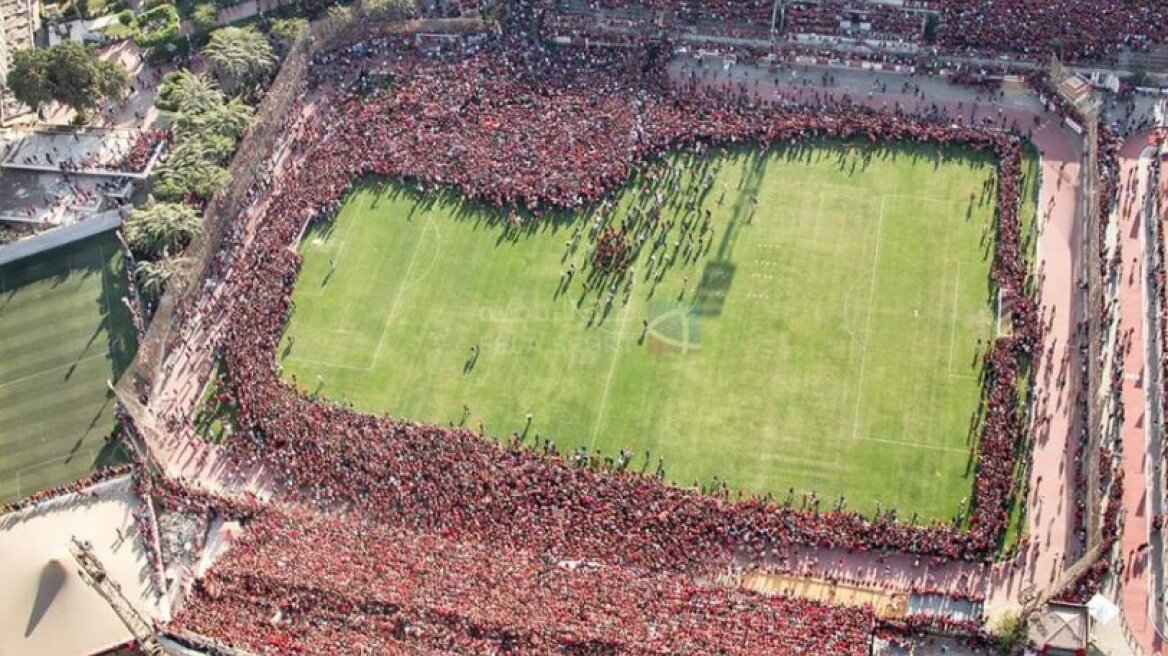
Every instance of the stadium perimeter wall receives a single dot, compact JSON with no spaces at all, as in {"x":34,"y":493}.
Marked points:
{"x":58,"y":237}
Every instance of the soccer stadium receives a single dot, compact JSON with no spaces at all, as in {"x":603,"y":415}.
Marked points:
{"x":809,"y":327}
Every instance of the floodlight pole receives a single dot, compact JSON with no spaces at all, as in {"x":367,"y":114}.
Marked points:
{"x":93,"y":573}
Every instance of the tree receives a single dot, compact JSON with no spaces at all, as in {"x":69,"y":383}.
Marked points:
{"x":230,"y":119}
{"x":187,"y":92}
{"x":193,"y":167}
{"x":67,"y":73}
{"x":28,"y":77}
{"x":390,"y":9}
{"x":205,"y":16}
{"x":239,"y":56}
{"x":285,"y":30}
{"x":1010,"y":635}
{"x":153,"y":277}
{"x":339,"y":13}
{"x":159,"y":230}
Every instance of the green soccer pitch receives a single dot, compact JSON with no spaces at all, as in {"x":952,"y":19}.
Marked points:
{"x":827,"y":340}
{"x":64,"y":332}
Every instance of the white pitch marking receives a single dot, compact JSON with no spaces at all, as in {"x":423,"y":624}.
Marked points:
{"x":953,"y":320}
{"x":868,"y":323}
{"x":400,"y":292}
{"x":611,"y":373}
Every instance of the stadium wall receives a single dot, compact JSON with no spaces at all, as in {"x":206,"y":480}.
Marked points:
{"x":58,"y":237}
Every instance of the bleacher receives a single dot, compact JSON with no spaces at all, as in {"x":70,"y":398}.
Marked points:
{"x":853,"y":20}
{"x":607,"y":21}
{"x":873,"y":22}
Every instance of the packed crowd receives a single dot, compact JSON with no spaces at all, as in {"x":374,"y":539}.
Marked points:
{"x":1159,"y":276}
{"x":141,"y":150}
{"x":740,"y":11}
{"x":553,"y":130}
{"x":565,"y":141}
{"x":1075,"y":29}
{"x":378,"y":589}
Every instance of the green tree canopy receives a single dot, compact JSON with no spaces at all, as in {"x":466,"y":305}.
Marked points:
{"x":28,"y":77}
{"x":153,"y":276}
{"x":68,"y":73}
{"x":205,"y":16}
{"x":193,"y":167}
{"x":285,"y":30}
{"x":229,"y":119}
{"x":184,"y":91}
{"x":239,"y":57}
{"x":390,"y":9}
{"x":339,"y":13}
{"x":1010,"y":634}
{"x":158,"y":230}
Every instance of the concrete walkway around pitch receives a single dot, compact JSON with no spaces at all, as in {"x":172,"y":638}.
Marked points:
{"x":1142,"y":498}
{"x":1052,"y":500}
{"x":179,"y":389}
{"x":1134,"y":431}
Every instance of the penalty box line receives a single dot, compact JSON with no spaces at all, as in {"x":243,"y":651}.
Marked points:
{"x":405,"y":284}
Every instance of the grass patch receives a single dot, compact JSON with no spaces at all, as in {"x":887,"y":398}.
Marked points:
{"x":824,"y":337}
{"x":66,"y":333}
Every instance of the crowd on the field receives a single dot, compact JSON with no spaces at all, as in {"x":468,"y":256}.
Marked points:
{"x":481,"y":125}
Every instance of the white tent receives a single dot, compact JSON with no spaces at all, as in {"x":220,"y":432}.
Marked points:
{"x":1102,"y":610}
{"x":46,"y":608}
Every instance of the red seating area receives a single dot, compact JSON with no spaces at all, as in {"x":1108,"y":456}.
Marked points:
{"x":1079,"y":29}
{"x":1076,"y":29}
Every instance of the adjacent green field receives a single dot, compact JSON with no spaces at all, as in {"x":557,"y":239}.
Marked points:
{"x":63,"y":333}
{"x":825,"y":341}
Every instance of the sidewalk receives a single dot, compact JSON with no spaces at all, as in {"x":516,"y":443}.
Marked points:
{"x":1136,"y":598}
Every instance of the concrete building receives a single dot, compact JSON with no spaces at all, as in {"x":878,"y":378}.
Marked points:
{"x":18,"y":20}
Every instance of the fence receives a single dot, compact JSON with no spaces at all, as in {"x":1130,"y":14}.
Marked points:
{"x":1153,"y":385}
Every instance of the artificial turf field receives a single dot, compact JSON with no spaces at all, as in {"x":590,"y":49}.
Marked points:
{"x":827,"y":340}
{"x":63,"y":333}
